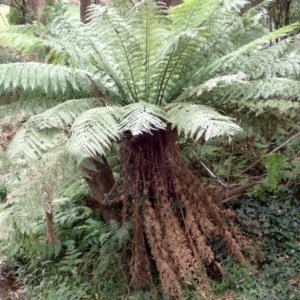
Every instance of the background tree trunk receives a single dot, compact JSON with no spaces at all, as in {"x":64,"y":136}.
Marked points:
{"x":84,"y":4}
{"x":36,"y":7}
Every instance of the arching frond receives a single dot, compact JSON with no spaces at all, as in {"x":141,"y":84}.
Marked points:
{"x":261,"y":89}
{"x":21,"y":111}
{"x":31,"y":75}
{"x":271,"y":106}
{"x":64,"y":114}
{"x":212,"y":84}
{"x":234,"y":58}
{"x":193,"y":13}
{"x":196,"y":120}
{"x":31,"y":143}
{"x":281,"y":59}
{"x":142,"y":117}
{"x":255,"y":95}
{"x":150,"y":27}
{"x":93,"y":132}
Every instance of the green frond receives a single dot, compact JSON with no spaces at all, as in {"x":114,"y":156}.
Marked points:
{"x":286,"y":89}
{"x":212,"y":84}
{"x":93,"y":132}
{"x":48,"y":130}
{"x":196,"y":120}
{"x":31,"y":75}
{"x":30,"y":143}
{"x":71,"y":48}
{"x":120,"y":54}
{"x":150,"y":26}
{"x":131,"y":41}
{"x":233,"y":58}
{"x":277,"y":60}
{"x":271,"y":106}
{"x":142,"y":117}
{"x":193,"y":13}
{"x":197,"y":26}
{"x":64,"y":114}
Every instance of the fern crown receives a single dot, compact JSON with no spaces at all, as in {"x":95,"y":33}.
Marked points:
{"x":155,"y":68}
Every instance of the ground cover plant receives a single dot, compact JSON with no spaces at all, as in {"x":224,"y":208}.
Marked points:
{"x":140,"y":79}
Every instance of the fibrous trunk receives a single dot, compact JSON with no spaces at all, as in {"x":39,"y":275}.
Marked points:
{"x":173,"y":215}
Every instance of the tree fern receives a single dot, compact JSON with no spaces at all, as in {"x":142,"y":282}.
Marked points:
{"x":159,"y":73}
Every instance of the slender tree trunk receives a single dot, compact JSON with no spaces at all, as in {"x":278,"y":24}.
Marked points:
{"x":287,"y":12}
{"x":36,"y":7}
{"x":84,"y":4}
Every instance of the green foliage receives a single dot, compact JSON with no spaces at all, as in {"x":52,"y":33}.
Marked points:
{"x":154,"y":70}
{"x":177,"y":53}
{"x":277,"y":172}
{"x":275,"y":225}
{"x":84,"y":263}
{"x":15,"y":17}
{"x":275,"y":231}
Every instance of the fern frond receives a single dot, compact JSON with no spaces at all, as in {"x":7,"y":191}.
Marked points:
{"x":64,"y":114}
{"x":286,"y":89}
{"x":32,"y":75}
{"x":130,"y":44}
{"x":150,"y":26}
{"x":212,"y":84}
{"x":196,"y":120}
{"x":31,"y":143}
{"x":142,"y":117}
{"x":233,"y":58}
{"x":93,"y":132}
{"x":271,"y":106}
{"x":43,"y":133}
{"x":193,"y":13}
{"x":277,"y":60}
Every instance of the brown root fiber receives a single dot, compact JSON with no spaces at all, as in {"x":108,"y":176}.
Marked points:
{"x":172,"y":212}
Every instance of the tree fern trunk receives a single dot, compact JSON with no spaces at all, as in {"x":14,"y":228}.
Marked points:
{"x":172,"y":213}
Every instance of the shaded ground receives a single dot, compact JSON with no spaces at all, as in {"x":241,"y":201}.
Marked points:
{"x":8,"y":288}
